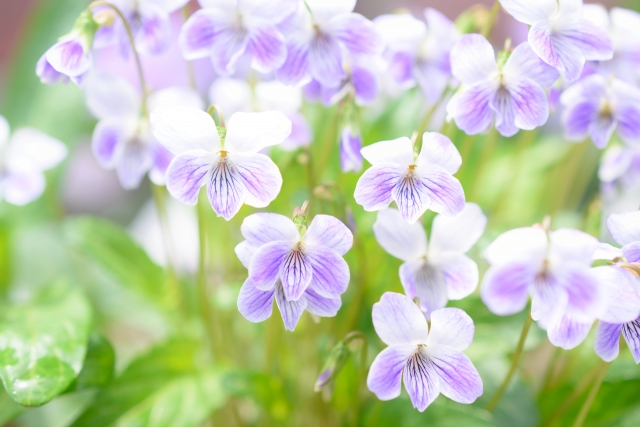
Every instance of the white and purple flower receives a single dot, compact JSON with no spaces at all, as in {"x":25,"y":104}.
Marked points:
{"x":350,"y":146}
{"x":560,"y":35}
{"x":23,"y":158}
{"x":597,"y":107}
{"x":435,"y":271}
{"x":507,"y":92}
{"x":302,"y":268}
{"x":415,"y":182}
{"x":555,"y":270}
{"x":360,"y":82}
{"x":321,"y":38}
{"x":227,"y":31}
{"x":230,"y":164}
{"x":428,"y":362}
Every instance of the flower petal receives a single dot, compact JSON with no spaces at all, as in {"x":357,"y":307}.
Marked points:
{"x":109,"y":96}
{"x":631,"y":334}
{"x":622,"y":298}
{"x":549,"y":299}
{"x":255,"y":305}
{"x":31,"y":149}
{"x":421,"y":381}
{"x":350,"y":146}
{"x":244,"y":251}
{"x":593,"y":41}
{"x":225,"y":188}
{"x":470,"y":107}
{"x":181,"y":128}
{"x":572,"y":245}
{"x":460,"y":274}
{"x":187,"y":173}
{"x":439,"y":150}
{"x":22,"y":187}
{"x":200,"y":32}
{"x":397,"y":237}
{"x":385,"y":374}
{"x":397,"y":320}
{"x":425,"y":282}
{"x":624,"y":227}
{"x":296,"y":273}
{"x":251,"y":132}
{"x":503,"y":105}
{"x":330,"y":276}
{"x":505,"y":288}
{"x":325,"y":60}
{"x":557,"y":49}
{"x":266,"y":264}
{"x":321,"y":306}
{"x":601,"y":130}
{"x":5,"y":131}
{"x":134,"y":162}
{"x":108,"y":139}
{"x":68,"y":57}
{"x":632,"y":252}
{"x":568,"y":333}
{"x":398,"y":151}
{"x":290,"y":310}
{"x":324,"y":10}
{"x":365,"y":84}
{"x":524,"y":62}
{"x":445,"y":192}
{"x":263,"y":227}
{"x":458,"y":378}
{"x":451,"y":327}
{"x":607,"y":344}
{"x":295,"y":69}
{"x":330,"y":232}
{"x":267,"y":47}
{"x":47,"y":74}
{"x":356,"y":33}
{"x":520,"y":244}
{"x":260,"y":176}
{"x":374,"y":188}
{"x":531,"y":107}
{"x":412,"y":195}
{"x":154,"y":35}
{"x":530,"y":11}
{"x":460,"y":232}
{"x":577,"y":119}
{"x":473,"y":59}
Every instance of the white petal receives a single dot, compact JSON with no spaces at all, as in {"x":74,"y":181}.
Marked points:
{"x":181,"y":129}
{"x":31,"y":149}
{"x":521,"y":244}
{"x":324,"y":10}
{"x":251,"y":132}
{"x":22,"y":187}
{"x":399,"y":238}
{"x":572,"y":245}
{"x":398,"y":151}
{"x":232,"y":95}
{"x":460,"y":232}
{"x":438,"y":149}
{"x":175,"y":95}
{"x":625,"y":227}
{"x":170,"y":5}
{"x":530,"y":11}
{"x":4,"y":131}
{"x":473,"y":59}
{"x":111,"y":96}
{"x":451,"y":327}
{"x":623,"y":300}
{"x":397,"y":320}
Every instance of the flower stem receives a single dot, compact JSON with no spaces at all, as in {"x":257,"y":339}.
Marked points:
{"x":486,"y":31}
{"x":191,"y":74}
{"x":514,"y":365}
{"x":584,"y":411}
{"x":132,"y":42}
{"x":490,"y":144}
{"x":355,"y":422}
{"x":422,"y":127}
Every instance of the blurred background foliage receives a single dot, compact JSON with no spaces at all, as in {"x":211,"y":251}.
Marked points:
{"x":119,"y":342}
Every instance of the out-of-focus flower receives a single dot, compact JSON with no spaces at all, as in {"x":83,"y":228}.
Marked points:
{"x":554,"y":269}
{"x":302,"y":268}
{"x":429,"y":362}
{"x":419,"y":53}
{"x":560,"y":35}
{"x":122,"y":139}
{"x":350,"y":146}
{"x":415,"y":183}
{"x":625,"y":229}
{"x":321,"y":38}
{"x":228,"y":30}
{"x":620,"y":164}
{"x":623,"y":25}
{"x":149,"y":22}
{"x":360,"y":85}
{"x":596,"y":107}
{"x":438,"y":271}
{"x":231,"y":167}
{"x":509,"y":92}
{"x":23,"y":157}
{"x":234,"y":95}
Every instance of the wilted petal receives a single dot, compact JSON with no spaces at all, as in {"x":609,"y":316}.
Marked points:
{"x":445,"y":192}
{"x":330,"y":276}
{"x":356,"y":33}
{"x":400,"y":239}
{"x":267,"y":48}
{"x":524,"y":62}
{"x":624,"y":227}
{"x":321,"y":306}
{"x":471,"y":108}
{"x":296,"y":273}
{"x":330,"y":232}
{"x":255,"y":305}
{"x":251,"y":132}
{"x":68,"y":57}
{"x":108,"y":140}
{"x":290,"y":310}
{"x":520,"y":244}
{"x":22,"y":187}
{"x":460,"y":274}
{"x":568,"y":333}
{"x":473,"y":59}
{"x":439,"y":150}
{"x":398,"y":151}
{"x":266,"y":263}
{"x":631,"y":334}
{"x":460,"y":232}
{"x":530,"y":11}
{"x":622,"y":298}
{"x":421,"y":380}
{"x":154,"y":34}
{"x":385,"y":375}
{"x":397,"y":320}
{"x":263,"y":227}
{"x":374,"y":188}
{"x":134,"y":162}
{"x":181,"y":128}
{"x":425,"y":282}
{"x":505,"y":288}
{"x":200,"y":32}
{"x":325,"y":60}
{"x":451,"y":327}
{"x":187,"y":173}
{"x":260,"y":176}
{"x":458,"y":378}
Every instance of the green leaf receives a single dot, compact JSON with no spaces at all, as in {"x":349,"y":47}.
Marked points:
{"x":9,"y":409}
{"x":99,"y":364}
{"x":43,"y":344}
{"x":162,"y":388}
{"x":112,"y":249}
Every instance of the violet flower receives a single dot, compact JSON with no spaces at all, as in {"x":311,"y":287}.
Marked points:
{"x":359,"y":82}
{"x":620,"y":165}
{"x":508,"y":92}
{"x":229,"y":165}
{"x":428,"y":362}
{"x":23,"y":158}
{"x":555,"y":269}
{"x":122,"y":139}
{"x":415,"y":183}
{"x":228,"y":30}
{"x":302,"y":268}
{"x":350,"y":146}
{"x":322,"y":38}
{"x":438,"y":271}
{"x":597,"y":107}
{"x":560,"y":35}
{"x":625,"y":229}
{"x":419,"y":53}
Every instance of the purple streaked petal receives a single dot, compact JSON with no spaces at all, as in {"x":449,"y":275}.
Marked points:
{"x":549,"y":297}
{"x":439,"y":150}
{"x":425,"y":282}
{"x":187,"y":173}
{"x":401,"y":68}
{"x":365,"y":84}
{"x":607,"y":343}
{"x":255,"y":305}
{"x":350,"y":146}
{"x":397,"y":320}
{"x":244,"y":251}
{"x":329,"y":232}
{"x":68,"y":57}
{"x":460,"y":274}
{"x":296,"y":273}
{"x":374,"y":188}
{"x":22,"y":187}
{"x":531,"y":107}
{"x":628,"y":125}
{"x":230,"y":45}
{"x":593,"y":41}
{"x":260,"y":176}
{"x":632,"y":252}
{"x":524,"y":62}
{"x":321,"y":306}
{"x":615,"y":162}
{"x":568,"y":333}
{"x":325,"y":60}
{"x":530,"y":11}
{"x":263,"y":227}
{"x":412,"y":196}
{"x":505,"y":288}
{"x":504,"y":107}
{"x":451,"y":327}
{"x":266,"y":263}
{"x":385,"y":375}
{"x":295,"y":68}
{"x":458,"y":379}
{"x":624,"y":227}
{"x":606,"y":252}
{"x":458,"y":233}
{"x":161,"y":160}
{"x":47,"y":74}
{"x":557,"y":49}
{"x":601,"y":130}
{"x":631,"y":334}
{"x":154,"y":35}
{"x":470,"y":108}
{"x":404,"y":241}
{"x":473,"y":59}
{"x":199,"y":33}
{"x":421,"y":380}
{"x":356,"y":33}
{"x":622,"y":298}
{"x":108,"y":140}
{"x":225,"y":187}
{"x":577,"y":119}
{"x":291,"y":311}
{"x":267,"y":47}
{"x":445,"y":191}
{"x":135,"y":160}
{"x":330,"y":277}
{"x":301,"y":133}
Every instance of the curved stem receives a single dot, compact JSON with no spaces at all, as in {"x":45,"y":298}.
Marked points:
{"x":584,"y":411}
{"x":486,"y":31}
{"x":132,"y":42}
{"x":514,"y":365}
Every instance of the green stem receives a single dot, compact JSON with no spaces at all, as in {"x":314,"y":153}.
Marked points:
{"x":355,"y":422}
{"x":422,"y":127}
{"x":584,"y":411}
{"x":486,"y":31}
{"x":191,"y":74}
{"x":356,"y":303}
{"x":490,"y":144}
{"x":568,"y":172}
{"x":514,"y":365}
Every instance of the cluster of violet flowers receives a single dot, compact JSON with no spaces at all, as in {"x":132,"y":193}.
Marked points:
{"x":321,"y":51}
